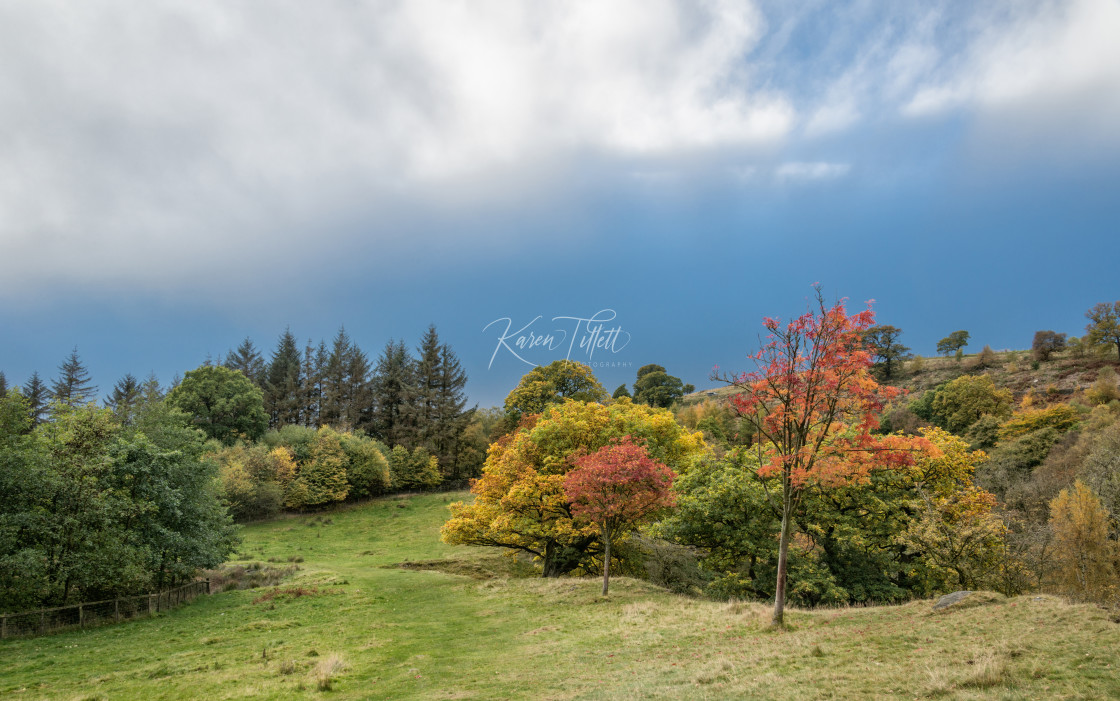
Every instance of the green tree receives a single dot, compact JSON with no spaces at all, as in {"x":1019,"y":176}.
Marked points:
{"x":656,"y":387}
{"x":621,"y":391}
{"x":393,"y":419}
{"x":322,"y":480}
{"x":37,"y":394}
{"x":367,"y":469}
{"x":953,"y":343}
{"x":222,"y":402}
{"x":960,"y":403}
{"x":1105,"y":324}
{"x":247,"y":359}
{"x":552,"y":384}
{"x":884,"y":345}
{"x":73,"y":385}
{"x":124,"y":398}
{"x":282,"y":383}
{"x":441,"y":415}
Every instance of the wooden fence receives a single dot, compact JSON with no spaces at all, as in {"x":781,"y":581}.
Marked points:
{"x":95,"y":613}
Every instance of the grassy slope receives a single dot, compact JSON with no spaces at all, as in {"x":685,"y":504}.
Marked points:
{"x":414,"y":633}
{"x":1063,"y":375}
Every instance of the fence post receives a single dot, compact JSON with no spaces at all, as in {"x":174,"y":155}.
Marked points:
{"x":43,"y":621}
{"x":117,"y":610}
{"x":3,"y":627}
{"x":208,"y":586}
{"x":151,"y":612}
{"x":81,"y":616}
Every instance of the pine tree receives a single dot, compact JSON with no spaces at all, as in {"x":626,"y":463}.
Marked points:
{"x":359,"y":391}
{"x":124,"y":398}
{"x":150,"y":392}
{"x":337,"y":385}
{"x":282,"y":383}
{"x":3,"y":383}
{"x":311,"y":389}
{"x":37,"y":395}
{"x":248,"y":360}
{"x":393,"y":389}
{"x":426,"y":394}
{"x":73,"y":387}
{"x":453,"y":418}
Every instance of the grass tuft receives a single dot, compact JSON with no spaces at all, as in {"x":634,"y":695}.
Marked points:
{"x":327,"y":670}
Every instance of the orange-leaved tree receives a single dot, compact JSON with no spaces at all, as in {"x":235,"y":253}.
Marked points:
{"x":617,"y":487}
{"x":812,"y":405}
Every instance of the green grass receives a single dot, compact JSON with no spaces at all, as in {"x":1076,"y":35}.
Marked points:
{"x":462,"y":623}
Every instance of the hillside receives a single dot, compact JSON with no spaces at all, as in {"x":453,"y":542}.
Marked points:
{"x":1061,"y":377}
{"x":464,"y":623}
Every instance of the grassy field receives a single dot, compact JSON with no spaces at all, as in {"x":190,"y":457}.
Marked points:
{"x":461,"y":623}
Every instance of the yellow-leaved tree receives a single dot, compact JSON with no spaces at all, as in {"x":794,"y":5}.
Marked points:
{"x":1086,"y":565}
{"x":519,"y":500}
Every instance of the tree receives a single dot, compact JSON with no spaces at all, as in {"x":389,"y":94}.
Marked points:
{"x":282,"y":383}
{"x":124,"y":398}
{"x":883,"y":343}
{"x":1045,"y":343}
{"x":1105,"y":326}
{"x":73,"y":386}
{"x":656,"y":387}
{"x":813,"y":404}
{"x":222,"y":402}
{"x":960,"y":403}
{"x":956,"y":531}
{"x":247,"y":359}
{"x":322,"y":480}
{"x":37,"y":394}
{"x":393,"y":419}
{"x":621,"y":391}
{"x":552,"y":384}
{"x":953,"y":343}
{"x":617,"y":487}
{"x":1086,"y":559}
{"x":440,"y":403}
{"x":519,"y":501}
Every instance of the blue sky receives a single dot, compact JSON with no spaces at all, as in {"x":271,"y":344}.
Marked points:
{"x":176,"y":177}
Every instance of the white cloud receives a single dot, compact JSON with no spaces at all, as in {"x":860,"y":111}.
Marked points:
{"x":796,"y":170}
{"x":1056,"y":58}
{"x":141,"y":138}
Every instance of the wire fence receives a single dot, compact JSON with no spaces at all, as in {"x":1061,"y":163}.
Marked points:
{"x":95,"y":613}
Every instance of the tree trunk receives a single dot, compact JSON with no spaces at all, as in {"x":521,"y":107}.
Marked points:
{"x":783,"y":550}
{"x":606,"y":559}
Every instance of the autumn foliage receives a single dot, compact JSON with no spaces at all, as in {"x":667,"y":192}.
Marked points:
{"x":616,"y":488}
{"x":813,"y":405}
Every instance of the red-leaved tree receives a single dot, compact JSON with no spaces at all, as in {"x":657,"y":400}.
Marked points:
{"x":617,"y":487}
{"x":812,"y":405}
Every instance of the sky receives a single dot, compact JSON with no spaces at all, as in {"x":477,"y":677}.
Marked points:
{"x":619,"y":183}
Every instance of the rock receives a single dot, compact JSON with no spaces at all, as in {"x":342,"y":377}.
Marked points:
{"x":950,"y":599}
{"x":968,"y":599}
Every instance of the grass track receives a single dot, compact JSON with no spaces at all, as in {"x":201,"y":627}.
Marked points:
{"x":417,"y":633}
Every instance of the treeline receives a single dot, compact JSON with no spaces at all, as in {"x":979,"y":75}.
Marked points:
{"x":92,"y":507}
{"x":400,"y":399}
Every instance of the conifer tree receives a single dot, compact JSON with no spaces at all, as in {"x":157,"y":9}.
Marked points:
{"x":282,"y":383}
{"x":73,"y":386}
{"x":335,"y":381}
{"x":3,"y":383}
{"x":37,"y":395}
{"x":393,"y":390}
{"x":248,"y":360}
{"x":124,"y":398}
{"x":150,"y":392}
